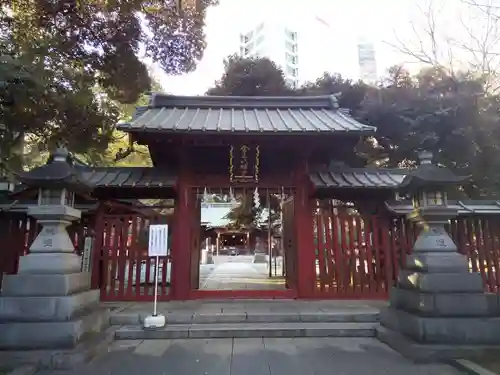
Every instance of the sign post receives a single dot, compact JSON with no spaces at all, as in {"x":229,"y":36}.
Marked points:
{"x":157,"y":247}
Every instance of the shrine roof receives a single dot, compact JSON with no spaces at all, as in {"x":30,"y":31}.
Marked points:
{"x":241,"y":114}
{"x":465,"y":207}
{"x":139,"y":177}
{"x":345,"y":177}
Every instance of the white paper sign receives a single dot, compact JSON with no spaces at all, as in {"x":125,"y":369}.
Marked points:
{"x":158,"y":240}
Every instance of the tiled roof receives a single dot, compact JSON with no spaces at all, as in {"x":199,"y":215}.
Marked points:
{"x":357,"y":178}
{"x":243,"y":114}
{"x":128,"y":177}
{"x":466,"y":207}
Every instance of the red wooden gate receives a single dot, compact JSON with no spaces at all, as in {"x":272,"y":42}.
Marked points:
{"x":121,"y":267}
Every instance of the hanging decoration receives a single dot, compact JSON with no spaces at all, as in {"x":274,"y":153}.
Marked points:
{"x":232,"y":199}
{"x":256,"y":198}
{"x":244,"y":164}
{"x":206,"y":197}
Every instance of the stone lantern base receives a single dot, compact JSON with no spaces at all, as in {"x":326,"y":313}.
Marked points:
{"x":438,"y":309}
{"x":48,"y":311}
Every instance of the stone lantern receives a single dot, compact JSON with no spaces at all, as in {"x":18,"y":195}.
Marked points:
{"x":56,"y":184}
{"x":427,"y":186}
{"x":49,"y":304}
{"x":437,"y":306}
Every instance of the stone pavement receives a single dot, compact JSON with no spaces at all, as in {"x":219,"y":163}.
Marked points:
{"x":199,"y":308}
{"x":257,"y":356}
{"x":239,"y":273}
{"x":241,"y":276}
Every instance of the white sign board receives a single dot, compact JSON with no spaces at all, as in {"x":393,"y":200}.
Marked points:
{"x":87,"y":254}
{"x":158,"y":240}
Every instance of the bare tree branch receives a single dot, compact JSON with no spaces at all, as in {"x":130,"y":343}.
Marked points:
{"x":473,"y":47}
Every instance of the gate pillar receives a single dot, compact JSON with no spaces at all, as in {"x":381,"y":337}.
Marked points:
{"x":306,"y":268}
{"x":181,"y":247}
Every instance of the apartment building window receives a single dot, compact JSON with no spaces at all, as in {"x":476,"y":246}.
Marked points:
{"x":247,"y":37}
{"x":291,"y":59}
{"x":291,"y":71}
{"x":292,"y":35}
{"x":291,"y":83}
{"x":291,"y":47}
{"x":259,"y":28}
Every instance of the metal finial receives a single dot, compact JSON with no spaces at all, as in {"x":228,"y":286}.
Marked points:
{"x":334,"y":102}
{"x":425,"y":157}
{"x":60,"y":155}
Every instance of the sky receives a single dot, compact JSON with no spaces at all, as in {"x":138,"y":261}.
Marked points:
{"x":350,"y":21}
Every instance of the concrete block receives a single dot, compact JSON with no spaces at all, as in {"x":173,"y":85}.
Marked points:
{"x":51,"y":335}
{"x":45,"y":285}
{"x":59,"y":359}
{"x":437,"y":262}
{"x":179,"y":317}
{"x":440,"y":282}
{"x":249,"y":330}
{"x":433,"y":304}
{"x":229,"y":317}
{"x":272,"y":317}
{"x":39,"y":309}
{"x":443,"y":330}
{"x":338,"y":317}
{"x":178,"y":331}
{"x":259,"y":258}
{"x":122,"y":319}
{"x":51,"y":263}
{"x":429,"y":353}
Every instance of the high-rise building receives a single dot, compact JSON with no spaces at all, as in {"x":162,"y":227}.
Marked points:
{"x":367,"y":62}
{"x":276,"y":42}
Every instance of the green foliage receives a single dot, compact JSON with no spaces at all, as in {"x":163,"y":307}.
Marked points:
{"x":250,"y":77}
{"x":64,"y":66}
{"x":453,"y":115}
{"x":246,"y":215}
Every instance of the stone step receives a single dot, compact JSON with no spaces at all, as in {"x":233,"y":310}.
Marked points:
{"x":52,"y":335}
{"x":340,"y":316}
{"x":238,"y":330}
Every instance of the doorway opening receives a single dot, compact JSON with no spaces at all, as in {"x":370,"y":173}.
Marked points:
{"x":240,"y":249}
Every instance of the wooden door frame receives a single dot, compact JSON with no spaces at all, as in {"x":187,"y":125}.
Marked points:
{"x":196,"y":293}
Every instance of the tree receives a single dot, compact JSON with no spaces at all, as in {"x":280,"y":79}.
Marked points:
{"x":246,"y":215}
{"x":120,"y":152}
{"x":472,"y":44}
{"x":451,"y":115}
{"x":350,"y":94}
{"x":83,"y":58}
{"x":250,"y":77}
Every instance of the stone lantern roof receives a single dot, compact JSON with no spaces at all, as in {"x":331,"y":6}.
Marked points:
{"x":428,"y":174}
{"x":59,"y":172}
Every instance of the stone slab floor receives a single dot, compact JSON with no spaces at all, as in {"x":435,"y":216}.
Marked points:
{"x":269,"y":356}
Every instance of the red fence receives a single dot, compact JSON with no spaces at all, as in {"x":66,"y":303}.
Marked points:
{"x":358,"y":256}
{"x":479,"y":238}
{"x":122,"y":268}
{"x":18,"y":231}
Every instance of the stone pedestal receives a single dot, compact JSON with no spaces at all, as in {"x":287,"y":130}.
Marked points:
{"x":437,"y":302}
{"x":206,"y":257}
{"x":48,"y":305}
